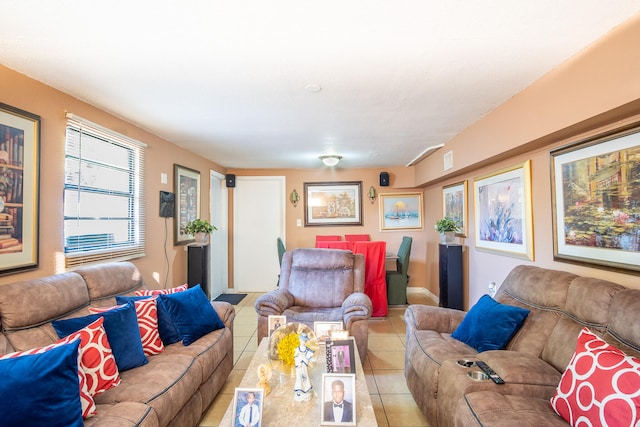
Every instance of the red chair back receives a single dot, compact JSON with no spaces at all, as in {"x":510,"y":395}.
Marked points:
{"x":320,"y":238}
{"x":375,"y":284}
{"x":335,"y":245}
{"x":357,"y":237}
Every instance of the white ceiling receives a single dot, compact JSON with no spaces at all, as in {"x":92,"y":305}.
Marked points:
{"x":227,"y":79}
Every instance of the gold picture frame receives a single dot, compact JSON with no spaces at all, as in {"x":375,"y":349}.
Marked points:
{"x":332,"y":203}
{"x":401,"y":211}
{"x":454,"y":205}
{"x":503,"y":213}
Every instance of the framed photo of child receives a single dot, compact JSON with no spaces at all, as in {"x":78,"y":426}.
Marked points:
{"x":247,"y":407}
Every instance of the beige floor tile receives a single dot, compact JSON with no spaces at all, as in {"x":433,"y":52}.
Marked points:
{"x":381,"y":417}
{"x":380,"y":327}
{"x":245,"y":359}
{"x":244,"y":330}
{"x":391,"y":381}
{"x":402,"y":411}
{"x":240,"y":342}
{"x":371,"y":383}
{"x":385,"y":342}
{"x":216,"y":411}
{"x":233,"y":381}
{"x":387,"y":359}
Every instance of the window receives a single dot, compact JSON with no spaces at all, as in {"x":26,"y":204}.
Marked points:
{"x":103,"y":194}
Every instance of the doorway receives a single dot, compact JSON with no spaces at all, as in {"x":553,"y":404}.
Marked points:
{"x":218,"y":203}
{"x":259,"y":204}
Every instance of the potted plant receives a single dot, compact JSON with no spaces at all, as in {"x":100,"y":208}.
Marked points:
{"x":447,"y":228}
{"x":200,"y":229}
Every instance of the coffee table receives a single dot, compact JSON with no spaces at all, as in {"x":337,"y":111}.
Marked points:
{"x":279,"y":409}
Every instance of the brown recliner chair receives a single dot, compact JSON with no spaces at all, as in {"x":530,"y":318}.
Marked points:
{"x":320,"y":285}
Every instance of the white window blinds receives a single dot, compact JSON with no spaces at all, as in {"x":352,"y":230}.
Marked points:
{"x":103,"y":194}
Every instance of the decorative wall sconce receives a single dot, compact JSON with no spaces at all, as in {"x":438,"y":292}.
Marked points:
{"x":294,"y":198}
{"x":372,"y":194}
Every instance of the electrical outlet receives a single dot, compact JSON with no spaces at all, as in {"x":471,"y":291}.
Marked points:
{"x":492,"y":289}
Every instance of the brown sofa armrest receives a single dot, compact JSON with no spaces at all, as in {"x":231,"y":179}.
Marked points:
{"x":226,"y":311}
{"x":356,"y":307}
{"x":426,"y":317}
{"x":273,"y":303}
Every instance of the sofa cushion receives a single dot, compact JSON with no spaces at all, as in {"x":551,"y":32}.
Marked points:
{"x":147,"y":314}
{"x":192,"y":313}
{"x":600,"y":384}
{"x":151,"y":292}
{"x":121,"y":325}
{"x":86,"y":399}
{"x":490,"y":325}
{"x":41,"y":389}
{"x":166,"y":328}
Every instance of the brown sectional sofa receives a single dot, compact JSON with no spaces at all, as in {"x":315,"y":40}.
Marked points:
{"x":531,"y":364}
{"x":174,"y":388}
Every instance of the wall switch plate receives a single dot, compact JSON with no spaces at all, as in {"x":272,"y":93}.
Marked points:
{"x":299,"y":222}
{"x":163,"y":178}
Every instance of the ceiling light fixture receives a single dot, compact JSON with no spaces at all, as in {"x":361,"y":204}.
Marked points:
{"x":424,"y":154}
{"x":330,"y":159}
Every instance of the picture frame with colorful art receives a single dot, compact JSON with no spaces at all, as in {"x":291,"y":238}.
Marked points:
{"x":187,"y":202}
{"x":503,"y":213}
{"x":454,"y":205}
{"x":19,"y":189}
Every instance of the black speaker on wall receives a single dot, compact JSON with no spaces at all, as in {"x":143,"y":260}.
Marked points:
{"x":384,"y":179}
{"x":231,"y":180}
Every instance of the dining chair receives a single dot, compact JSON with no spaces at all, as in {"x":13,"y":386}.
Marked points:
{"x":356,"y":237}
{"x":335,"y":244}
{"x":374,"y":274}
{"x":327,"y":238}
{"x":281,"y":251}
{"x":398,"y":279}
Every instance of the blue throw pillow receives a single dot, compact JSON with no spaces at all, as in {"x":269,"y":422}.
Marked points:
{"x":166,"y":328}
{"x":41,"y":389}
{"x":490,"y":325}
{"x":121,"y":325}
{"x":192,"y":313}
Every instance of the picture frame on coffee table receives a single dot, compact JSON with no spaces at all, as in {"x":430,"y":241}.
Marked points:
{"x":243,"y":413}
{"x":346,"y":382}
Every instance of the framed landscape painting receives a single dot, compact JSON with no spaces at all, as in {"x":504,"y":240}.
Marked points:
{"x":503,"y":213}
{"x":454,"y":205}
{"x":187,"y":194}
{"x":596,"y":201}
{"x":19,"y":189}
{"x":401,"y":211}
{"x":333,"y":203}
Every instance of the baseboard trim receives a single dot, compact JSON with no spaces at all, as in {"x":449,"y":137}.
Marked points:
{"x":425,"y":292}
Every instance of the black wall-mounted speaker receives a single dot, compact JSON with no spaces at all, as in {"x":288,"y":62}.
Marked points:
{"x":384,"y":179}
{"x":167,"y":204}
{"x":231,"y":180}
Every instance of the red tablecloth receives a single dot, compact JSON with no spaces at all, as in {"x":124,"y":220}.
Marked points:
{"x":375,"y":284}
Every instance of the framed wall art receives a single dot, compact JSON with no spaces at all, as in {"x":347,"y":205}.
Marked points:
{"x":401,"y":211}
{"x":503,"y":213}
{"x":187,"y":194}
{"x":333,"y":203}
{"x":596,"y":201}
{"x":454,"y":205}
{"x":19,"y":189}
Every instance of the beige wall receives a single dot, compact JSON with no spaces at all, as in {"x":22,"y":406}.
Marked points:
{"x":596,"y":91}
{"x":21,"y":92}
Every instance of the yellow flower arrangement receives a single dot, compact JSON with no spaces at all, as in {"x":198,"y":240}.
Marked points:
{"x":287,"y":347}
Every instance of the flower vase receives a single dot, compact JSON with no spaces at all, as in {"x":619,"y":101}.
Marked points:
{"x":448,"y":237}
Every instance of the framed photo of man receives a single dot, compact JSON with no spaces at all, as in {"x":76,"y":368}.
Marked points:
{"x":275,"y":321}
{"x":339,"y":400}
{"x":247,"y":407}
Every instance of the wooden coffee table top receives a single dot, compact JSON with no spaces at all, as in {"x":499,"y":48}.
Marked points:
{"x":279,"y":409}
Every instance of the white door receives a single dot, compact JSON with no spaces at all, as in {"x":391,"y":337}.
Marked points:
{"x":258,"y":220}
{"x":218,"y":200}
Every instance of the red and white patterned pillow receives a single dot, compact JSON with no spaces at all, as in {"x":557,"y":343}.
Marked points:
{"x":147,"y":313}
{"x":97,"y":360}
{"x":600,"y":387}
{"x":151,"y":292}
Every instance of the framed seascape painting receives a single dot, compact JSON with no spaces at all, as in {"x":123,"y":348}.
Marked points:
{"x":187,"y":194}
{"x":401,"y":211}
{"x":454,"y":205}
{"x":596,"y":201}
{"x":19,"y":189}
{"x":333,"y":203}
{"x":503,"y":213}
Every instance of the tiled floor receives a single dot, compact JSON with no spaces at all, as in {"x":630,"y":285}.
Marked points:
{"x":384,"y":366}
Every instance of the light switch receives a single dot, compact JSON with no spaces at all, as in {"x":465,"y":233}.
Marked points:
{"x":163,"y":178}
{"x":299,"y":222}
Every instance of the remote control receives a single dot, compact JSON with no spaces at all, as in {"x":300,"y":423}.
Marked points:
{"x":490,"y":372}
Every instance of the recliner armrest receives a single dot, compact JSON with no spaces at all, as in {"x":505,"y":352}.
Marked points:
{"x":357,"y":306}
{"x":426,"y":317}
{"x":273,"y":303}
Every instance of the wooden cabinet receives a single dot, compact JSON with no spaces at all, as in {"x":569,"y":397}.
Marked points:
{"x":451,"y":288}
